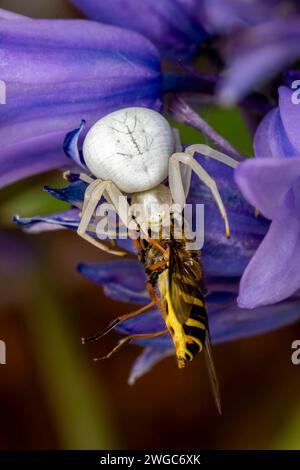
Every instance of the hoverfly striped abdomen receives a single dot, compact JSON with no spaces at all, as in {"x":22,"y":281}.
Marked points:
{"x":184,"y":306}
{"x":195,"y":329}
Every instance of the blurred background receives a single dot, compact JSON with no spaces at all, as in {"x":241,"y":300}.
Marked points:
{"x":52,"y":395}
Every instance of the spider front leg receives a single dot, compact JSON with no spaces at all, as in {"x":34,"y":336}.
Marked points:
{"x":81,"y":176}
{"x":92,"y":196}
{"x":86,"y":179}
{"x":176,"y":184}
{"x":185,"y":171}
{"x":211,"y":153}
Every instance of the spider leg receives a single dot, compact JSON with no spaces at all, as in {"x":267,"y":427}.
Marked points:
{"x":119,"y":201}
{"x":92,"y":197}
{"x":86,"y":179}
{"x":178,"y":146}
{"x":212,"y":153}
{"x":122,"y":207}
{"x":186,"y":171}
{"x":176,"y":186}
{"x":82,"y":177}
{"x":130,"y":338}
{"x":175,"y":180}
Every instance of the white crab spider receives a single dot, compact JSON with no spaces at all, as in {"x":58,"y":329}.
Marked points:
{"x":132,"y":151}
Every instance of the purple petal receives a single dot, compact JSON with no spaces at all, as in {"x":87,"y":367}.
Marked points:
{"x":40,"y":156}
{"x":9,"y":15}
{"x":262,"y":52}
{"x":265,"y":183}
{"x":65,"y":219}
{"x":273,"y":273}
{"x":173,"y":25}
{"x":149,"y":322}
{"x":290,"y":115}
{"x":270,"y":138}
{"x":71,"y":148}
{"x":234,"y":323}
{"x":222,"y":256}
{"x":146,"y":361}
{"x":225,"y":16}
{"x":222,"y":292}
{"x":264,"y":136}
{"x":73,"y":193}
{"x":121,"y":280}
{"x":65,"y":71}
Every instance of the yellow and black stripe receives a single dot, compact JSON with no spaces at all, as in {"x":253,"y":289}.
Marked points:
{"x":188,"y":337}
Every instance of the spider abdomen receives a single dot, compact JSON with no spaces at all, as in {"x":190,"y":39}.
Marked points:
{"x":130,"y":147}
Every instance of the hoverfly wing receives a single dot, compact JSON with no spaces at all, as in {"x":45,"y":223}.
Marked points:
{"x":184,"y":283}
{"x":212,"y":372}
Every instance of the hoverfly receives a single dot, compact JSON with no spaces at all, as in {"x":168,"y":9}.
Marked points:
{"x":175,"y":285}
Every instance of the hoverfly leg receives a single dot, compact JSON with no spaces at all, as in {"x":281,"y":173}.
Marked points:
{"x":158,"y":265}
{"x":157,"y":245}
{"x":154,"y":297}
{"x":115,"y":322}
{"x":113,"y":351}
{"x":128,"y":339}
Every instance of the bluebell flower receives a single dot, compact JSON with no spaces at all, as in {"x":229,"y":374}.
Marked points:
{"x":174,"y":26}
{"x":256,"y":54}
{"x":66,"y":70}
{"x":260,"y":38}
{"x":227,"y":16}
{"x":271,"y":182}
{"x":224,"y":262}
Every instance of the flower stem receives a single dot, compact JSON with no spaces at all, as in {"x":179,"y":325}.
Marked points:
{"x":182,"y":112}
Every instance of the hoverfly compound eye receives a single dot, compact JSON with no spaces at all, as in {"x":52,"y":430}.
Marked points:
{"x":130,"y":147}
